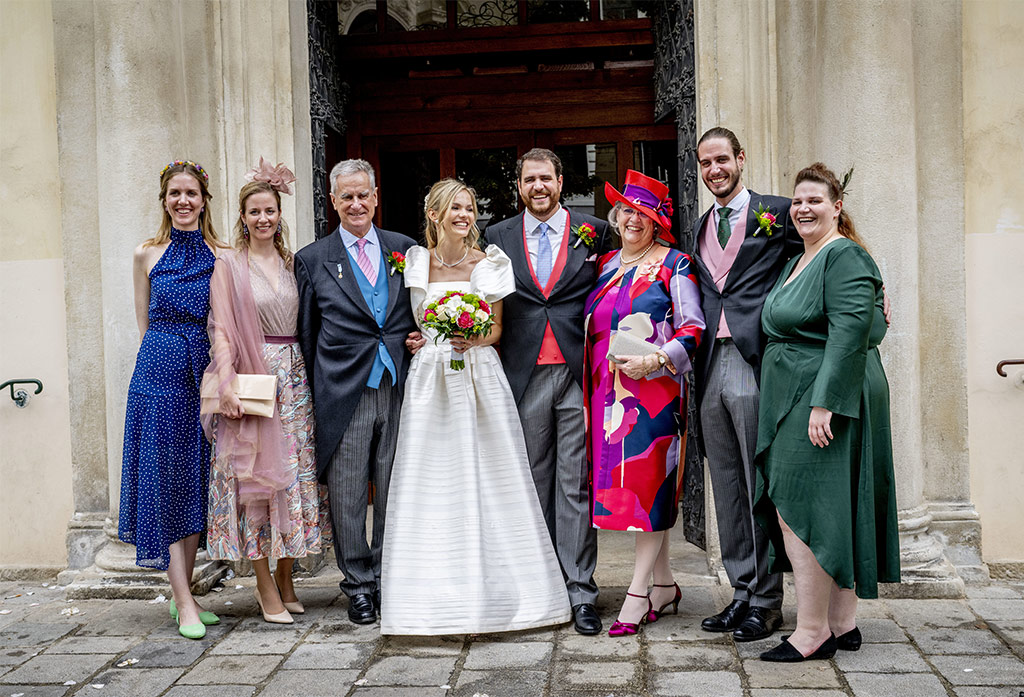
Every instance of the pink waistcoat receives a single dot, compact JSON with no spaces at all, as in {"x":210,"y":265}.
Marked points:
{"x":719,"y":261}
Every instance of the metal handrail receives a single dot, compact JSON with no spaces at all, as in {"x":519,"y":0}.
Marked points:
{"x":21,"y":396}
{"x":1009,"y":361}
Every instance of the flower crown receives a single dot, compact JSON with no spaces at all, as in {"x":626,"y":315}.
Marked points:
{"x":198,"y":167}
{"x":278,"y":177}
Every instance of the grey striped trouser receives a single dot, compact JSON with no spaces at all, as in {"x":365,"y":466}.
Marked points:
{"x":728,"y":419}
{"x":551,"y":411}
{"x":366,"y":453}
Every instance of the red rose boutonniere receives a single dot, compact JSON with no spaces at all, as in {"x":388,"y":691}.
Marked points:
{"x":586,"y":234}
{"x":397,"y":262}
{"x":765,"y":221}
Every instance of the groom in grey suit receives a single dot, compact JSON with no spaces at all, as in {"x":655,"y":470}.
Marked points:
{"x":354,"y":320}
{"x":542,"y":353}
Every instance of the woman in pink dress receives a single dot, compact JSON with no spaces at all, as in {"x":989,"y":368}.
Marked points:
{"x":265,"y":500}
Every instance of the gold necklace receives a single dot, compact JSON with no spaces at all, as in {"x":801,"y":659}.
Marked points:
{"x":624,"y":261}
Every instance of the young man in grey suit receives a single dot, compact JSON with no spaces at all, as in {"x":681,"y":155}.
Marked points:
{"x":542,"y":352}
{"x":737,"y":264}
{"x":354,"y":320}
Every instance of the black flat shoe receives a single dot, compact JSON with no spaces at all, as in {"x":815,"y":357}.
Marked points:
{"x":728,"y":619}
{"x":760,"y":623}
{"x":361,"y":609}
{"x":850,"y":641}
{"x":585,"y":619}
{"x":787,"y":653}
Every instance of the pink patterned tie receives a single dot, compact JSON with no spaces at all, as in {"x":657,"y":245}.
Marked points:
{"x":364,"y":262}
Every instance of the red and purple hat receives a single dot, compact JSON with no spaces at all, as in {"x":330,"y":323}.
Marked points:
{"x":648,"y":196}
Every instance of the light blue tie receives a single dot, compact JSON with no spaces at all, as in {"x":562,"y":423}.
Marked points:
{"x":543,"y":255}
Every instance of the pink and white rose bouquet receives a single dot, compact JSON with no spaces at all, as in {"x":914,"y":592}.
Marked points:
{"x":456,"y":313}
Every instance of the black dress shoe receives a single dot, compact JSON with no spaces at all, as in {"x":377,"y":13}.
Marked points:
{"x":850,"y":641}
{"x":787,"y":653}
{"x":361,"y":609}
{"x":760,"y":622}
{"x":728,"y":619}
{"x":586,"y":619}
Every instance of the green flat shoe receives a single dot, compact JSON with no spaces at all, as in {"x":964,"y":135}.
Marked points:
{"x":192,"y":631}
{"x":206,"y":617}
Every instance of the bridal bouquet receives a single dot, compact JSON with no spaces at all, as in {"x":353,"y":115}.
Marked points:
{"x":458,"y":314}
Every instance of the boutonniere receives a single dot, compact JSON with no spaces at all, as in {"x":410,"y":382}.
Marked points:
{"x":650,"y":269}
{"x":765,"y":221}
{"x":397,"y":262}
{"x":585,"y":233}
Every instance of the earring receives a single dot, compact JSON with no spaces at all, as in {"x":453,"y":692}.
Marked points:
{"x":245,"y":231}
{"x":277,"y":234}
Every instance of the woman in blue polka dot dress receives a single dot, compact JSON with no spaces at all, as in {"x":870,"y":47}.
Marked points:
{"x":165,"y":462}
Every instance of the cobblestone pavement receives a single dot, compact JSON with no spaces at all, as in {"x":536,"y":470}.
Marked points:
{"x":99,"y":648}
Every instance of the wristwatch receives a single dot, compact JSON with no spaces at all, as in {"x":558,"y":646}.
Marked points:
{"x":662,"y":360}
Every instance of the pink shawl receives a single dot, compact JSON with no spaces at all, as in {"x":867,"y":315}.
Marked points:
{"x":253,"y":445}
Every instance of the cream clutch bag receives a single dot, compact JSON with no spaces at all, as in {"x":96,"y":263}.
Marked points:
{"x":626,"y":344}
{"x":257,"y":393}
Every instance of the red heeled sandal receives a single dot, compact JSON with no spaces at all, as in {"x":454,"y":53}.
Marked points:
{"x":655,"y":614}
{"x":630,"y":628}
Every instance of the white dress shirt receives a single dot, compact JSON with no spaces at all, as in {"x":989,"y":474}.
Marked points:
{"x":556,"y":229}
{"x":736,"y":207}
{"x":373,"y":248}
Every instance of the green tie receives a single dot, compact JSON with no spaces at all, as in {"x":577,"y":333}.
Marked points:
{"x":724,"y":231}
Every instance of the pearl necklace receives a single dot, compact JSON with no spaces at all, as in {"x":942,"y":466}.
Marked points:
{"x":624,"y":261}
{"x":442,"y":262}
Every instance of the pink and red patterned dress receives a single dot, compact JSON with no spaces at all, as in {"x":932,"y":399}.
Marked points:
{"x":634,"y":425}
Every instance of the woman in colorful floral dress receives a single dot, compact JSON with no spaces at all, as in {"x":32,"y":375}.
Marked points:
{"x":265,"y":500}
{"x":636,"y":402}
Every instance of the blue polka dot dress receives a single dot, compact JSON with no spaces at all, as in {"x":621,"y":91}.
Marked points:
{"x":165,"y":463}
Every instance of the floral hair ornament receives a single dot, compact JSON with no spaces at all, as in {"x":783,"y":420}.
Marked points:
{"x":647,"y":196}
{"x":198,"y":167}
{"x":278,"y":177}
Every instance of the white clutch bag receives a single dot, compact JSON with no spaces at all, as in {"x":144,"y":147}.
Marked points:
{"x":257,"y":393}
{"x":626,"y":344}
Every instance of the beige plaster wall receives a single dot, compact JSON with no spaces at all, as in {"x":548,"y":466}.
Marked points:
{"x":993,"y":55}
{"x":35,"y":442}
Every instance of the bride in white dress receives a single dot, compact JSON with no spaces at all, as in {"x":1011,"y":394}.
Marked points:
{"x":466,"y":549}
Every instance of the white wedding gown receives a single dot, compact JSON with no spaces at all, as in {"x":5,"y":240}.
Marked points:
{"x":466,"y":549}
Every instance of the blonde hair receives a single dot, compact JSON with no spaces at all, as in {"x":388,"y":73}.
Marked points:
{"x":821,"y":174}
{"x":242,"y":240}
{"x":439,"y":200}
{"x":205,"y":216}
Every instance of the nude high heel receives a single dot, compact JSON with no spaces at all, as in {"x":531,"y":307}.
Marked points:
{"x":280,"y":618}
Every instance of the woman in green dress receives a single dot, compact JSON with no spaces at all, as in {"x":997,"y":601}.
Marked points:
{"x":825,"y":486}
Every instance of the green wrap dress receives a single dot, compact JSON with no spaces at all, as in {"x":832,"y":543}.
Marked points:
{"x":823,"y":332}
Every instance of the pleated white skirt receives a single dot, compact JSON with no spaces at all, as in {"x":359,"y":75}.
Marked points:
{"x":466,"y":549}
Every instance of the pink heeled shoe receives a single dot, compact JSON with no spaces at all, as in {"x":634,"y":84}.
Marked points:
{"x":629,"y":628}
{"x":655,"y":614}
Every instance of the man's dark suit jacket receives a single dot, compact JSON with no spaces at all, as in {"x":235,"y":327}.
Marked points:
{"x":526,"y":313}
{"x":757,"y":266}
{"x":339,"y":336}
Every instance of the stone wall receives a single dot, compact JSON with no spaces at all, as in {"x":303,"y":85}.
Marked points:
{"x":993,"y":115}
{"x":35,"y":455}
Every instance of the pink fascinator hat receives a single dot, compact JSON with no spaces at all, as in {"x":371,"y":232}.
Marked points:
{"x":278,"y":177}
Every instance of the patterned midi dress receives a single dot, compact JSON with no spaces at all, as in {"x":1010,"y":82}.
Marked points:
{"x":633,"y":426}
{"x":232,"y":533}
